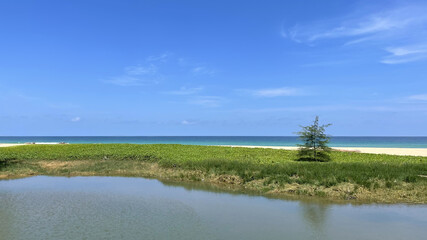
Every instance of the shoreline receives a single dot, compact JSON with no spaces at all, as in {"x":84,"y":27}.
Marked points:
{"x":11,"y":144}
{"x":421,"y":152}
{"x":31,"y":143}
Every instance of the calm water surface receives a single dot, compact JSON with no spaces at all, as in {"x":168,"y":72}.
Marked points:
{"x":136,"y":208}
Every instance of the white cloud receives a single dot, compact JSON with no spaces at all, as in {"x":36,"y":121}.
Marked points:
{"x":419,"y":97}
{"x":185,"y":91}
{"x":185,"y":122}
{"x":141,"y":70}
{"x":142,"y":74}
{"x":358,"y":40}
{"x":404,"y":25}
{"x":405,"y":54}
{"x":159,"y":58}
{"x":75,"y":119}
{"x":274,"y":92}
{"x":392,"y":22}
{"x":128,"y":81}
{"x":137,"y":75}
{"x":207,"y":101}
{"x":406,"y":51}
{"x":195,"y":68}
{"x":339,"y":108}
{"x":201,"y":70}
{"x":155,"y":68}
{"x":283,"y":33}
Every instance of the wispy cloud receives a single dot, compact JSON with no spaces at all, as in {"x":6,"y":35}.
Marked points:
{"x":75,"y":119}
{"x":142,"y":74}
{"x":157,"y":68}
{"x":338,"y":108}
{"x":207,"y":101}
{"x":405,"y":54}
{"x":202,"y":70}
{"x":419,"y":97}
{"x":127,"y":81}
{"x":274,"y":92}
{"x":186,"y":122}
{"x":141,"y":70}
{"x":326,"y":63}
{"x":21,"y":97}
{"x":196,"y":68}
{"x":404,"y":25}
{"x":185,"y":91}
{"x":283,"y":33}
{"x":391,"y":22}
{"x":137,"y":75}
{"x":159,"y":58}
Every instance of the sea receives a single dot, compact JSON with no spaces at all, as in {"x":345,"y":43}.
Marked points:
{"x":336,"y":141}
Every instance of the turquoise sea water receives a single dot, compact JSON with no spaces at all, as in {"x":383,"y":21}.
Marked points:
{"x":391,"y":142}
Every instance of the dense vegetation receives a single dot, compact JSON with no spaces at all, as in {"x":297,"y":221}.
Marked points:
{"x":381,"y":178}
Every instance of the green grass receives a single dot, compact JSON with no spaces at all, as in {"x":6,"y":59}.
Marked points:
{"x":267,"y":169}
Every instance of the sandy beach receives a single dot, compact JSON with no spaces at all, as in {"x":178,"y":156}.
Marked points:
{"x":391,"y":151}
{"x":10,"y":144}
{"x":21,"y":144}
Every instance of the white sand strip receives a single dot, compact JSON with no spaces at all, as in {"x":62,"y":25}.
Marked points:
{"x":10,"y":144}
{"x":391,"y":151}
{"x":21,"y":144}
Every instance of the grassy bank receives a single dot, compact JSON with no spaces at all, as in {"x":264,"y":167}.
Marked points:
{"x":352,"y":176}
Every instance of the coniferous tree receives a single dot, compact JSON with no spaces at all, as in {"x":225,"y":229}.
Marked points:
{"x":315,"y":142}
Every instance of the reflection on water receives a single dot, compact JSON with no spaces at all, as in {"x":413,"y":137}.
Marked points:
{"x":137,"y":208}
{"x":315,"y":216}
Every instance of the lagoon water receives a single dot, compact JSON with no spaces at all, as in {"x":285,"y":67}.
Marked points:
{"x":136,"y":208}
{"x":337,"y":141}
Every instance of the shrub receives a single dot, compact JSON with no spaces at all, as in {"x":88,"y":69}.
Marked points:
{"x":315,"y":143}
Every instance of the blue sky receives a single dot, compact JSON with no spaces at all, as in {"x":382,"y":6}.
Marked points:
{"x":212,"y":67}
